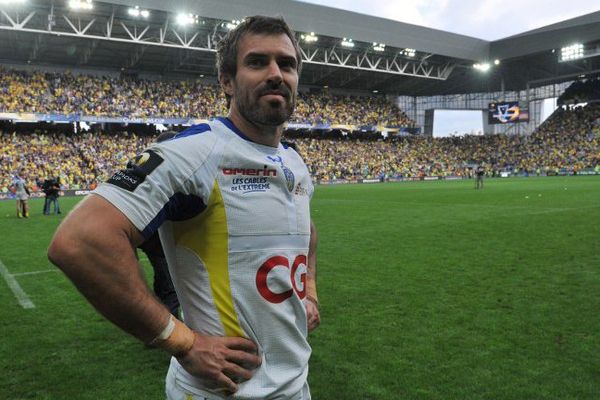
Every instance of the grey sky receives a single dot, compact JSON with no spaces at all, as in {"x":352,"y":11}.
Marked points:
{"x":484,"y":19}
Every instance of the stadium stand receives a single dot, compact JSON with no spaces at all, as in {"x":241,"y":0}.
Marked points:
{"x":581,"y":91}
{"x":343,"y":136}
{"x":567,"y":143}
{"x":53,"y":93}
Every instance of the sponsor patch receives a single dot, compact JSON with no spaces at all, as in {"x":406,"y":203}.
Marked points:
{"x":137,"y":170}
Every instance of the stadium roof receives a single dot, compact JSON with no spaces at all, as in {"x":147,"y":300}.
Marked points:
{"x":414,"y":61}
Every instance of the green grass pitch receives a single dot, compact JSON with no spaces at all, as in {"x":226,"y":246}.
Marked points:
{"x":428,"y":290}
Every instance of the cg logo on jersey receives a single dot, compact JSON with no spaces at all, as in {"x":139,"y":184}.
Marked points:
{"x":296,"y":273}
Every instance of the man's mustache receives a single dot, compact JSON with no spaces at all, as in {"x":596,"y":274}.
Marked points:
{"x":281,"y":90}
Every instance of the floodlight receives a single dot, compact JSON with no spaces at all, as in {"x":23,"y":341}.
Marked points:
{"x":572,"y":52}
{"x":378,"y":46}
{"x":186,"y":19}
{"x":81,"y":4}
{"x":347,"y":43}
{"x":310,"y":38}
{"x":408,"y":52}
{"x":483,"y":67}
{"x":232,"y":25}
{"x":496,"y":62}
{"x":136,"y":12}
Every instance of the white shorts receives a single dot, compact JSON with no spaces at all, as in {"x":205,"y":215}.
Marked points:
{"x":177,"y":389}
{"x":22,"y":196}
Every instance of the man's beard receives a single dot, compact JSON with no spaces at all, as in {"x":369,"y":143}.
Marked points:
{"x":273,"y":113}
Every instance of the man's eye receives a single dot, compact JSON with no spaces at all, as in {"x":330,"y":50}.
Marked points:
{"x":255,"y":62}
{"x":287,"y":65}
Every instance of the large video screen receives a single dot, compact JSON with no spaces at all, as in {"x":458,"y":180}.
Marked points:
{"x":506,"y":112}
{"x":457,"y":123}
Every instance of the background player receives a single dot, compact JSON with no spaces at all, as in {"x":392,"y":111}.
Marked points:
{"x":21,"y":194}
{"x":479,"y":172}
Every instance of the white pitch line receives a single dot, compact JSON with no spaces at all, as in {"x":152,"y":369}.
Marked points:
{"x":12,"y":283}
{"x":35,"y":272}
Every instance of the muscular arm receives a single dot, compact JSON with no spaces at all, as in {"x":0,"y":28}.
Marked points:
{"x":94,"y":247}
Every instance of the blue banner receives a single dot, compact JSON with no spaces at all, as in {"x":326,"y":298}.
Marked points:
{"x":71,"y":118}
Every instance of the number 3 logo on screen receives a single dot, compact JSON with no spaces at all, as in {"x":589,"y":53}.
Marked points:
{"x":297,"y":277}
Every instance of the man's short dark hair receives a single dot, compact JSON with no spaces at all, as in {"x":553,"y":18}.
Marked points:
{"x":227,"y":49}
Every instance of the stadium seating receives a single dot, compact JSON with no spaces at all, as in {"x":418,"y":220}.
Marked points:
{"x":567,"y":142}
{"x":65,"y":93}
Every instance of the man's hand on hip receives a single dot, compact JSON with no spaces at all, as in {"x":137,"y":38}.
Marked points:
{"x":225,"y":361}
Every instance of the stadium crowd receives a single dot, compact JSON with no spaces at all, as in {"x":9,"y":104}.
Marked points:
{"x":66,"y":93}
{"x":80,"y":161}
{"x":569,"y":140}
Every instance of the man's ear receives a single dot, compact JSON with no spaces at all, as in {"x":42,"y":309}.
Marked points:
{"x":226,"y":83}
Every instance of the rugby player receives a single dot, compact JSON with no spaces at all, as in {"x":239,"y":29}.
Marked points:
{"x":232,"y":207}
{"x":21,"y":194}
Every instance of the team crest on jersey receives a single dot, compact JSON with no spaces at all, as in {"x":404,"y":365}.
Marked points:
{"x":287,"y":173}
{"x":289,"y":177}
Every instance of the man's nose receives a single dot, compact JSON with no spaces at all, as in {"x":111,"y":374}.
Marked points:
{"x":274,"y":73}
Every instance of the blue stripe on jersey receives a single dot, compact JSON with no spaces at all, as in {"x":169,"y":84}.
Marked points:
{"x":192,"y":130}
{"x":179,"y":208}
{"x":230,"y":125}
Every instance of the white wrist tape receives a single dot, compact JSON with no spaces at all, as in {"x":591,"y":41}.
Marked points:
{"x":164,"y":335}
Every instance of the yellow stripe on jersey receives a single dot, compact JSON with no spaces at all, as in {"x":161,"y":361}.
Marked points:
{"x":207,"y":236}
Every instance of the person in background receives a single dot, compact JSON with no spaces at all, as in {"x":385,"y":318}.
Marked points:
{"x":51,"y":188}
{"x":479,"y":172}
{"x":21,"y":190}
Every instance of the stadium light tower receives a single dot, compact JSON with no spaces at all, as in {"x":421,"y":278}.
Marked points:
{"x":572,"y":52}
{"x":137,"y":12}
{"x":184,"y":19}
{"x":378,"y":46}
{"x":231,"y":25}
{"x":408,"y":52}
{"x":483,"y":67}
{"x":347,"y":43}
{"x":81,"y":4}
{"x":309,"y":38}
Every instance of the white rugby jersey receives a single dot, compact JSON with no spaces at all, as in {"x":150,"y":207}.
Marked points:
{"x":19,"y":184}
{"x":235,"y":226}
